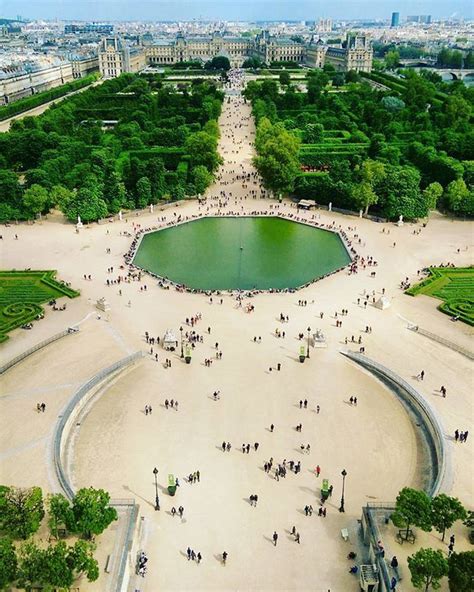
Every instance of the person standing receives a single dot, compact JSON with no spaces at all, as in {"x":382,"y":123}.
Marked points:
{"x":224,"y":557}
{"x":275,"y":538}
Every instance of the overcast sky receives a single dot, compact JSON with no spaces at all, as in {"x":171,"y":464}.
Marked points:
{"x":230,"y":9}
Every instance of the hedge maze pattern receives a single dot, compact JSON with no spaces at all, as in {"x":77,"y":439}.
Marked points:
{"x":22,"y":293}
{"x":455,"y":286}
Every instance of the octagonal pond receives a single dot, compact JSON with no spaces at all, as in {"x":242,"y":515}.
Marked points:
{"x":241,"y":253}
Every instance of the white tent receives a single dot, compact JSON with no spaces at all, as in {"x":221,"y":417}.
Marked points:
{"x":383,"y":302}
{"x":170,"y":342}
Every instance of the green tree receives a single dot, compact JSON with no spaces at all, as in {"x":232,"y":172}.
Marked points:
{"x":88,"y":204}
{"x":60,"y":513}
{"x":363,"y":196}
{"x":32,"y":568}
{"x":393,"y":104}
{"x":413,"y":507}
{"x":277,"y":159}
{"x":445,"y":511}
{"x":143,"y":192}
{"x":114,"y":192}
{"x":80,"y":559}
{"x":317,"y":80}
{"x":313,"y":133}
{"x":461,"y":571}
{"x":60,"y":197}
{"x":10,"y":189}
{"x":427,"y":568}
{"x":202,"y":178}
{"x":399,"y":193}
{"x":285,"y":78}
{"x":8,"y":562}
{"x":92,"y":512}
{"x":21,"y":510}
{"x":202,"y":149}
{"x":458,"y":197}
{"x":432,"y":195}
{"x":35,"y":199}
{"x":458,"y":111}
{"x":373,"y":172}
{"x":218,"y":63}
{"x":392,"y":59}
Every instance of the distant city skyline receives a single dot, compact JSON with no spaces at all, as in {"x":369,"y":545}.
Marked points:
{"x":232,"y":10}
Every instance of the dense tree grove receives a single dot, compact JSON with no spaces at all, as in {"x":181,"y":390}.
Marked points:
{"x":26,"y":564}
{"x":124,"y":144}
{"x":419,"y":133}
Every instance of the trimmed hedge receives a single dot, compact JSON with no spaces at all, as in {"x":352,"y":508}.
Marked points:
{"x":44,"y":97}
{"x":22,"y":292}
{"x":455,"y":286}
{"x":171,"y":156}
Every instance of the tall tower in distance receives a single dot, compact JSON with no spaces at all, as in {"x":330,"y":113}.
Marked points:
{"x":395,"y":19}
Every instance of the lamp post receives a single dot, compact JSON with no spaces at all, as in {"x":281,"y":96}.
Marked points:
{"x":307,"y":348}
{"x":343,"y":473}
{"x":157,"y":499}
{"x":181,"y":331}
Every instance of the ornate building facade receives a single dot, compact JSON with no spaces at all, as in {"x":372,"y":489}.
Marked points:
{"x":354,"y":54}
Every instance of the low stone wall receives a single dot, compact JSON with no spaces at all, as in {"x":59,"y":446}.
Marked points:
{"x":80,"y":399}
{"x":37,"y":347}
{"x":440,"y":477}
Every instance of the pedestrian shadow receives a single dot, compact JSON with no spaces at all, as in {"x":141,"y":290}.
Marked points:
{"x":349,"y":403}
{"x":300,"y":511}
{"x":218,"y":558}
{"x":183,"y":554}
{"x":268,"y":539}
{"x":307,"y":490}
{"x":293,"y":358}
{"x":246,"y":499}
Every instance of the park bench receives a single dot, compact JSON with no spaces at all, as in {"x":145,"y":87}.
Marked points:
{"x":107,"y":564}
{"x":345,"y":534}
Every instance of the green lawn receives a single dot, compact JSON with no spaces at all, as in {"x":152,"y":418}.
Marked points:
{"x":453,"y":285}
{"x":21,"y":296}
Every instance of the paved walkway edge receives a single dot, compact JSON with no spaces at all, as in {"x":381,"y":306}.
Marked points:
{"x":37,"y":347}
{"x":441,"y":477}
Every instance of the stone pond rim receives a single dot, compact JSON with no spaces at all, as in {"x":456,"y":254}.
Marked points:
{"x":229,"y":253}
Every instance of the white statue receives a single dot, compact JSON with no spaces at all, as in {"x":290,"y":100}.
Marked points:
{"x":120,"y":215}
{"x":330,"y":206}
{"x":79,"y":222}
{"x":360,"y":213}
{"x":400,"y":221}
{"x":151,"y":208}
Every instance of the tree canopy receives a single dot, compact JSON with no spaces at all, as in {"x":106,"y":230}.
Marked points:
{"x":68,"y":158}
{"x":427,"y":568}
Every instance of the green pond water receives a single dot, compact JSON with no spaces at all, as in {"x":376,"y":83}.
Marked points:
{"x":241,"y":253}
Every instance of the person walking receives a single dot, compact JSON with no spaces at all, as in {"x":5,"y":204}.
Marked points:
{"x":188,"y":552}
{"x":224,"y":557}
{"x":275,"y":538}
{"x":272,"y":427}
{"x":297,"y":538}
{"x":318,"y":470}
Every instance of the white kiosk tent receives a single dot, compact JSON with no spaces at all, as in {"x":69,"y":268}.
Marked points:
{"x":170,"y":341}
{"x":382,"y":303}
{"x":306,"y":204}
